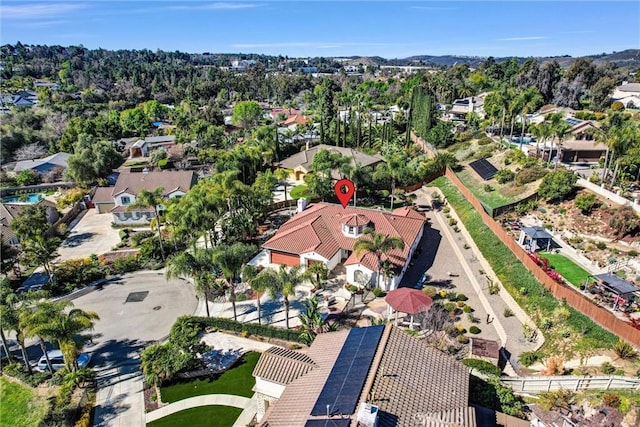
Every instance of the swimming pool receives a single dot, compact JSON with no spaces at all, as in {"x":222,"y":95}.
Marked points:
{"x":27,"y":199}
{"x":525,"y":140}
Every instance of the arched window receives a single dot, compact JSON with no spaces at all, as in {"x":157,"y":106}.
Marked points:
{"x":359,"y":276}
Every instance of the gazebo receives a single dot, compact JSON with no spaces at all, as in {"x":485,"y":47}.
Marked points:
{"x":535,"y":238}
{"x":621,"y":289}
{"x":408,"y":300}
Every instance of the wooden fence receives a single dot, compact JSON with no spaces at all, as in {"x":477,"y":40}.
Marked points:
{"x":574,"y":383}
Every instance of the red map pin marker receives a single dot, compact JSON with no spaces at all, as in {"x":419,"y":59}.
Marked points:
{"x":344,"y":189}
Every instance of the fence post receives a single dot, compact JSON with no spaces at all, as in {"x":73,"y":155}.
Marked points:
{"x":609,"y":383}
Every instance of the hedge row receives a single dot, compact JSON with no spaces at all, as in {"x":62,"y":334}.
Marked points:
{"x":266,"y":331}
{"x":482,"y":366}
{"x":535,"y":299}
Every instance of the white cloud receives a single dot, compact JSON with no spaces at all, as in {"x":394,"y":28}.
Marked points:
{"x":45,"y":23}
{"x":518,"y":39}
{"x":39,"y":10}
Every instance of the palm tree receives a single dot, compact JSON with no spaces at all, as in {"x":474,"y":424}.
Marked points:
{"x":282,"y":175}
{"x":358,"y":175}
{"x":284,"y":283}
{"x":199,"y":266}
{"x":560,"y":132}
{"x":528,"y":100}
{"x":64,"y":327}
{"x":151,"y":199}
{"x":229,"y":260}
{"x":31,"y":319}
{"x":310,"y":320}
{"x":542,"y":132}
{"x":317,"y":274}
{"x":11,"y":306}
{"x":377,"y":244}
{"x":258,"y":282}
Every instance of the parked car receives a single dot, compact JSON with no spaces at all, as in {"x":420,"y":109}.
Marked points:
{"x":57,"y":361}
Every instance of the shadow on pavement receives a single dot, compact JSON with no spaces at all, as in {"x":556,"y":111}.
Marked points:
{"x":428,"y":247}
{"x":77,"y":239}
{"x":104,"y":414}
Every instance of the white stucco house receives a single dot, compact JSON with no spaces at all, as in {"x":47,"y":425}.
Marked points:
{"x":326,"y":233}
{"x":118,"y":199}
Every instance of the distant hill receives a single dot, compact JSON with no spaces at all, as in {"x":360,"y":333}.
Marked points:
{"x":626,"y":58}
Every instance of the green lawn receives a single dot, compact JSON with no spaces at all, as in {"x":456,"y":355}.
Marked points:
{"x":572,"y":272}
{"x":203,"y":416}
{"x":19,"y":406}
{"x":237,"y":380}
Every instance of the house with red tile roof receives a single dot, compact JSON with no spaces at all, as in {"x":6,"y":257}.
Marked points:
{"x":326,"y":233}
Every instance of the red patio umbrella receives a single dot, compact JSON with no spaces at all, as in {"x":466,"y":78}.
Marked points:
{"x":408,"y":300}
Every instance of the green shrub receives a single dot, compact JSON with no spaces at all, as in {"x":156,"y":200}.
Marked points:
{"x":138,"y":237}
{"x":624,"y":350}
{"x":585,"y":202}
{"x":485,"y":141}
{"x":507,"y":312}
{"x":474,"y":329}
{"x":601,"y":245}
{"x":124,"y":233}
{"x":254,"y":329}
{"x":505,"y":175}
{"x":607,"y":368}
{"x":430,"y":290}
{"x":557,"y":185}
{"x":488,"y":188}
{"x":528,"y":358}
{"x":530,"y":174}
{"x":482,"y":366}
{"x":377,"y":292}
{"x":462,"y":339}
{"x":450,"y":307}
{"x":462,"y":297}
{"x":467,"y":309}
{"x":125,"y":265}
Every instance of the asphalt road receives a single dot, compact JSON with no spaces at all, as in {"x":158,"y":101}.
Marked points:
{"x":135,"y":311}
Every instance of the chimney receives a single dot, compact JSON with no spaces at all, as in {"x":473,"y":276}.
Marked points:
{"x":302,"y":205}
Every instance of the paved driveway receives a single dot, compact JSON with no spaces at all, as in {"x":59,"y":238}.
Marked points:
{"x":134,"y":312}
{"x":90,"y":234}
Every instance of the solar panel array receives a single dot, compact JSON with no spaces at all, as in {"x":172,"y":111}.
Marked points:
{"x":329,"y":422}
{"x":483,"y":168}
{"x":342,"y":389}
{"x":572,"y":121}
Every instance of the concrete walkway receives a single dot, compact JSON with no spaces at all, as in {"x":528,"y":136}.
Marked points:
{"x":194,"y":402}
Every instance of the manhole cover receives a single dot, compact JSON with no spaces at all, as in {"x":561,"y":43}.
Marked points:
{"x":137,"y":296}
{"x":157,"y":307}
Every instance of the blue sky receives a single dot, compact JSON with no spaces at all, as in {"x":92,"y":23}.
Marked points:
{"x":391,"y":29}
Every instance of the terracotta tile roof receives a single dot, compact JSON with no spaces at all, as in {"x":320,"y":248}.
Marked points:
{"x":319,"y":229}
{"x":456,"y":417}
{"x":282,"y":366}
{"x":297,"y":400}
{"x":410,"y":382}
{"x":409,"y":212}
{"x":297,"y":119}
{"x":304,"y":158}
{"x":414,"y":379}
{"x":356,"y":220}
{"x":171,"y":181}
